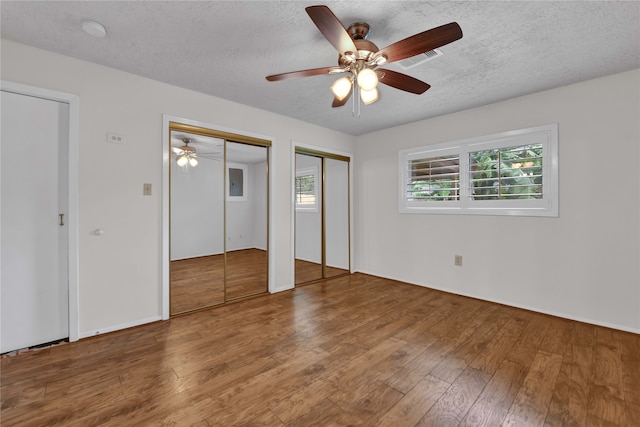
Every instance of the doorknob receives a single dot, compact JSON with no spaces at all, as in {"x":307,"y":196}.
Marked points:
{"x":61,"y":219}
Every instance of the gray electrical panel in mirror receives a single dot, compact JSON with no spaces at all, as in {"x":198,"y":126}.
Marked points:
{"x":146,"y":189}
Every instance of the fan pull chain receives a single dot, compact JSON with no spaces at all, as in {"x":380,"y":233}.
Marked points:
{"x":356,"y":94}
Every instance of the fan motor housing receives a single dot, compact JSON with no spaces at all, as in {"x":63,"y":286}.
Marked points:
{"x":358,"y":30}
{"x":365,"y":50}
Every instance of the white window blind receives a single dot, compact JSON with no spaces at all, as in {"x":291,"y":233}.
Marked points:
{"x":506,"y":173}
{"x":434,"y":178}
{"x":510,"y":173}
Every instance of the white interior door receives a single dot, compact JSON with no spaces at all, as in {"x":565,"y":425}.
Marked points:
{"x":34,"y":246}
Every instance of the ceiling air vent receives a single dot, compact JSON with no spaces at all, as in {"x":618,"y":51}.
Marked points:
{"x":414,"y":61}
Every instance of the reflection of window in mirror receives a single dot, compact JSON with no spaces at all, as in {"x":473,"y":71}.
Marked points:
{"x":307,"y":190}
{"x":236,"y":182}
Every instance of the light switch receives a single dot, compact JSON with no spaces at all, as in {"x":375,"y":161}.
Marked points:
{"x":115,"y":138}
{"x":146,"y":189}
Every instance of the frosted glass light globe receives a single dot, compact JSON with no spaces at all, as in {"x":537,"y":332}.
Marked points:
{"x":182,"y":160}
{"x":341,"y":88}
{"x":367,"y":79}
{"x":369,"y":96}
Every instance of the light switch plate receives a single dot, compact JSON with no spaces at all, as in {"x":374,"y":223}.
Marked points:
{"x":146,"y":189}
{"x":115,"y":138}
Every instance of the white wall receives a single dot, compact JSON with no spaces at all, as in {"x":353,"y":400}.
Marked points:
{"x":197,"y":209}
{"x":120,"y":271}
{"x":336,"y":199}
{"x":582,"y":265}
{"x":245,"y":217}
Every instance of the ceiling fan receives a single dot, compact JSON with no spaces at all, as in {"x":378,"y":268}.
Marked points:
{"x":185,"y":154}
{"x":360,"y":58}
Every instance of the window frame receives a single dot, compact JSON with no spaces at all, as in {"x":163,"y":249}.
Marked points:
{"x":546,"y":135}
{"x":313,"y":171}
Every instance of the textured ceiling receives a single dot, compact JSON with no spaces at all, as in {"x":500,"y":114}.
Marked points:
{"x":226,"y":48}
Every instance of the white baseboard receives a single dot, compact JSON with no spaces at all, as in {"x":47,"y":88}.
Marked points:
{"x":114,"y":328}
{"x":516,"y":305}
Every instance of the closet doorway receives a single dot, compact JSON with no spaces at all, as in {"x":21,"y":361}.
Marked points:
{"x":218,"y":217}
{"x":322,"y":228}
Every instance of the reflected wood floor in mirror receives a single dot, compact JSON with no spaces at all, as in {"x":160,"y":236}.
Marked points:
{"x":199,"y":282}
{"x":306,"y":271}
{"x":246,"y":273}
{"x":196,"y":283}
{"x":354,"y":350}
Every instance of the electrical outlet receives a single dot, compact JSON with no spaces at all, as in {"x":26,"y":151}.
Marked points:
{"x":458,"y":260}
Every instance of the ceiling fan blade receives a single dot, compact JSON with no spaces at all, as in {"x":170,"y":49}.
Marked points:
{"x":331,"y":28}
{"x":338,"y":103}
{"x":304,"y":73}
{"x":422,"y":42}
{"x":177,"y":150}
{"x":401,"y":81}
{"x":210,"y":157}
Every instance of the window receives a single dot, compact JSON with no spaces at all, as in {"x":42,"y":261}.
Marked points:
{"x":506,"y":173}
{"x":307,"y":190}
{"x":434,"y":178}
{"x":511,"y":173}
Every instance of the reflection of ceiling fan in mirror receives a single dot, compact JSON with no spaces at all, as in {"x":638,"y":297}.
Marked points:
{"x":185,"y":154}
{"x":188,"y":149}
{"x":359,"y":58}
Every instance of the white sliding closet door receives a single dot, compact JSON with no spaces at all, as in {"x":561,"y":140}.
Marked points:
{"x":34,"y":244}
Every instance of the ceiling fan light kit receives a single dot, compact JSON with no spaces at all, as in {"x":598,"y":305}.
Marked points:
{"x":186,"y":155}
{"x":360,"y":58}
{"x":341,"y":88}
{"x":369,"y":96}
{"x":367,"y":79}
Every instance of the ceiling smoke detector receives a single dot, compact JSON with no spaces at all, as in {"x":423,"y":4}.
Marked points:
{"x":94,"y":28}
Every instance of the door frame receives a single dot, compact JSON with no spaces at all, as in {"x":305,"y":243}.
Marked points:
{"x":166,"y":158}
{"x":329,"y":153}
{"x":72,"y":210}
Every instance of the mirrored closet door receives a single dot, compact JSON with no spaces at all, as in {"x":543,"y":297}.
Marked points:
{"x":321,"y":216}
{"x":246,"y":220}
{"x":218,"y":202}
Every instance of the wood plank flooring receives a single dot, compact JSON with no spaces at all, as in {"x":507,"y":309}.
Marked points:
{"x":200,"y":282}
{"x":353,"y":350}
{"x":306,"y":272}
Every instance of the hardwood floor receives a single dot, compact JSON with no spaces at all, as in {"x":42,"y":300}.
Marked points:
{"x":199,"y":282}
{"x":306,"y":271}
{"x":353,"y":350}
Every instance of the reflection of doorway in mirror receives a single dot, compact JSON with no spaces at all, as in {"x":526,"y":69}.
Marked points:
{"x":218,"y":219}
{"x":322,"y":247}
{"x":308,"y":221}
